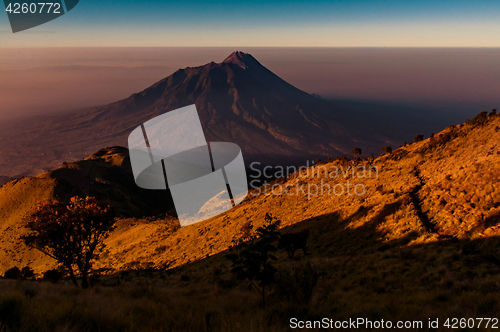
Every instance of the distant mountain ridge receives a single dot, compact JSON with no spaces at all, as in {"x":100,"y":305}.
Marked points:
{"x":241,"y":101}
{"x":238,"y":100}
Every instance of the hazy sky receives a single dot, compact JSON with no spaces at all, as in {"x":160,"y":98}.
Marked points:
{"x":463,"y":81}
{"x":365,"y":23}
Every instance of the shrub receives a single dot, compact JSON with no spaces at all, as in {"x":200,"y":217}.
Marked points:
{"x":161,"y":249}
{"x":442,"y":139}
{"x":399,"y":154}
{"x":252,"y":260}
{"x":342,"y":159}
{"x":386,"y":149}
{"x":246,"y":231}
{"x":419,"y":138}
{"x":13,"y":273}
{"x":479,"y":119}
{"x":292,"y":242}
{"x":52,"y":276}
{"x":27,"y":272}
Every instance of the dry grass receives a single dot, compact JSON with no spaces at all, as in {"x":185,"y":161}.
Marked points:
{"x":437,"y":280}
{"x":373,"y":255}
{"x":460,"y":195}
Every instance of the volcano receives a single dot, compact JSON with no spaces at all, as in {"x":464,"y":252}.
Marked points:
{"x":238,"y":100}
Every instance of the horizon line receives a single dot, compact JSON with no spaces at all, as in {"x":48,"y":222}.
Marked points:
{"x":297,"y":47}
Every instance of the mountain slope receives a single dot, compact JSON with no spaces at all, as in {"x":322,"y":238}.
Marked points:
{"x":426,"y":192}
{"x":105,"y":175}
{"x":461,"y":169}
{"x":238,"y":100}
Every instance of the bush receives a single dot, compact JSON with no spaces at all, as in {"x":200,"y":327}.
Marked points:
{"x":442,"y":139}
{"x":479,"y":119}
{"x":52,"y":276}
{"x":386,"y":149}
{"x":292,"y":242}
{"x":419,"y":138}
{"x":342,"y":159}
{"x":161,"y":249}
{"x":252,"y":260}
{"x":13,"y":273}
{"x":27,"y":272}
{"x":246,"y":232}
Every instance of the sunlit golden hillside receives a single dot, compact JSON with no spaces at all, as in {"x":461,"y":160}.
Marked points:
{"x":447,"y":186}
{"x":417,"y":239}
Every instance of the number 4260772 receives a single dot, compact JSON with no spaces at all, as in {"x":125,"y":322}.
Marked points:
{"x":471,"y":323}
{"x":34,"y":8}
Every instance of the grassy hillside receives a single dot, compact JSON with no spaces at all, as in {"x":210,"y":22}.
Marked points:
{"x":425,"y":192}
{"x":421,"y":242}
{"x":105,"y":175}
{"x":457,"y":174}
